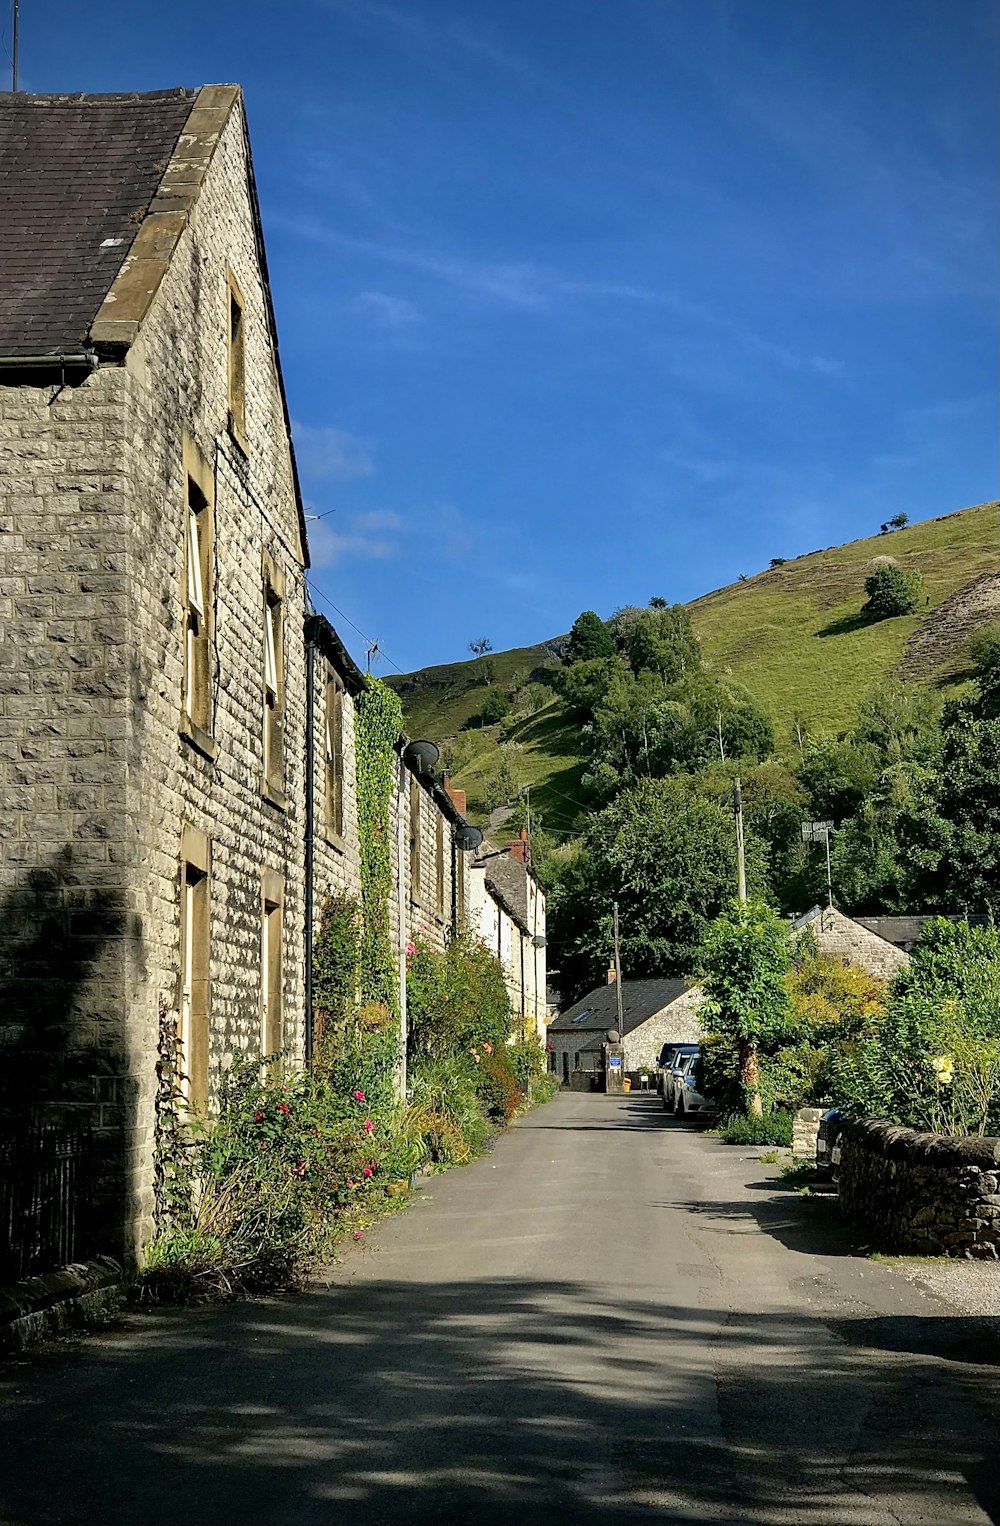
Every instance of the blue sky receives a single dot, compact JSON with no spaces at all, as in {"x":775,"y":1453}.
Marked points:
{"x":582,"y":301}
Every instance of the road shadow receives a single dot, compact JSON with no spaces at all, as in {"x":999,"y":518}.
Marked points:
{"x":510,"y":1402}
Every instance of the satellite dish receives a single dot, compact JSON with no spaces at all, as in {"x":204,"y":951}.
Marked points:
{"x":421,"y":757}
{"x":467,"y":837}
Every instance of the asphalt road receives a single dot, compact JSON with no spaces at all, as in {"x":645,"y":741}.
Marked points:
{"x":612,"y":1318}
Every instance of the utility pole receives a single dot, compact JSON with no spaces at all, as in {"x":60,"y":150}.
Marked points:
{"x":829,"y":876}
{"x":13,"y":56}
{"x":618,"y":981}
{"x":741,"y":863}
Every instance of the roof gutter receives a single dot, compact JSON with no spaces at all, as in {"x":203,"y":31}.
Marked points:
{"x":81,"y":360}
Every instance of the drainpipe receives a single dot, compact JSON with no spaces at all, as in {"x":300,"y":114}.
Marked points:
{"x":401,"y":940}
{"x":310,"y":845}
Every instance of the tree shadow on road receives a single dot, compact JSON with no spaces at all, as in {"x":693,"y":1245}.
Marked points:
{"x":505,"y":1402}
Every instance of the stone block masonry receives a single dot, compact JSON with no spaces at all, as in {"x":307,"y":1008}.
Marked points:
{"x":921,"y":1194}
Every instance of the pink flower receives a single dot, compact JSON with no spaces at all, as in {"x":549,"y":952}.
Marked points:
{"x":258,"y":1116}
{"x":488,"y":1048}
{"x":351,"y":1184}
{"x":360,"y":1097}
{"x":411,"y":949}
{"x":367,"y":1171}
{"x":359,"y":1234}
{"x":369,"y":1126}
{"x":301,"y":1168}
{"x":284,"y":1108}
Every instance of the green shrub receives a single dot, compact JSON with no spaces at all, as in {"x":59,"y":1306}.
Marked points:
{"x":446,"y":1108}
{"x":496,"y":1084}
{"x":893,"y":590}
{"x":455,"y":999}
{"x":281,"y":1171}
{"x":495,"y":707}
{"x":336,"y":963}
{"x":769,"y":1129}
{"x":932,"y":1061}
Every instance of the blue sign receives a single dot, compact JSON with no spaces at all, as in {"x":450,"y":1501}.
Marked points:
{"x":615,"y":1061}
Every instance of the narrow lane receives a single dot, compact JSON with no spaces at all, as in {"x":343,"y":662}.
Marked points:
{"x":612,"y":1318}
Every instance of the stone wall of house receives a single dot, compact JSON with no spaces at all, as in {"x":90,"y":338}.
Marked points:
{"x":429,"y":915}
{"x":178,"y":393}
{"x":921,"y":1194}
{"x":844,"y":938}
{"x":676,"y":1024}
{"x":71,"y":943}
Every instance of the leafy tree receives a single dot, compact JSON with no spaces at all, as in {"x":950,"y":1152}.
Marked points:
{"x":506,"y":781}
{"x":496,"y":707}
{"x":837,"y":775}
{"x":621,"y":623}
{"x":886,"y":856}
{"x":583,"y":685}
{"x":589,"y":639}
{"x":899,"y":720}
{"x":668,"y":857}
{"x":893,"y":590}
{"x":968,"y":801}
{"x":898,"y":521}
{"x":986,"y":655}
{"x":480,"y":646}
{"x":657,"y":603}
{"x":663,"y":641}
{"x":933,"y":1060}
{"x":746,"y":955}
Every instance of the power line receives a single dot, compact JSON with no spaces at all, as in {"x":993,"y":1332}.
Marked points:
{"x":370,"y":641}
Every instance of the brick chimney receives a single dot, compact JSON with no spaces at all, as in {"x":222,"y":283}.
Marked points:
{"x":457,"y":796}
{"x":611,"y":974}
{"x":521,"y":849}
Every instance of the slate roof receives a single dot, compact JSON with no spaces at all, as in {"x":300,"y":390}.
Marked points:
{"x":76,"y":176}
{"x":508,"y":879}
{"x":641,"y":1000}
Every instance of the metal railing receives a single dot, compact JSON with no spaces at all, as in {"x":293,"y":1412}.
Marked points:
{"x":46,"y":1178}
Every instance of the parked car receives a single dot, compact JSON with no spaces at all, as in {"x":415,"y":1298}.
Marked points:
{"x":688,"y":1100}
{"x":668,"y":1054}
{"x":673,"y":1079}
{"x":831,"y":1127}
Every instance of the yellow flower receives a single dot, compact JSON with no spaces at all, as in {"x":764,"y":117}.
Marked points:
{"x":944,"y":1069}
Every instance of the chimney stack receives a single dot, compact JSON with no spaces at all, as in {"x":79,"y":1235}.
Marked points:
{"x":611,"y":974}
{"x":521,"y":850}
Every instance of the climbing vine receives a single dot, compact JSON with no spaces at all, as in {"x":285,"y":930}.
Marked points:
{"x":336,"y":965}
{"x":173,"y":1177}
{"x":378,"y":723}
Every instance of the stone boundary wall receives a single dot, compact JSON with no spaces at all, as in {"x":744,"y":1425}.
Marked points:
{"x":67,"y":1299}
{"x":921,"y":1194}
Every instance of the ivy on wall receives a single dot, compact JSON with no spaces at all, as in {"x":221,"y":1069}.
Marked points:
{"x":336,"y":965}
{"x":378,"y":723}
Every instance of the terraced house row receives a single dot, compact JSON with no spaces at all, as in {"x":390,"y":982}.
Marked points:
{"x":177,"y":762}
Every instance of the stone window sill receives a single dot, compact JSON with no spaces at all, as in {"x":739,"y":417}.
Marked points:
{"x":200,"y":740}
{"x":274,"y":794}
{"x":335,"y":841}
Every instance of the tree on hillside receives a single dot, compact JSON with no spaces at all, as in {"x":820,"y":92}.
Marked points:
{"x":746,"y":955}
{"x":892,"y":591}
{"x":986,"y":656}
{"x":669,"y":858}
{"x":621,"y":623}
{"x":480,"y":646}
{"x":663,"y":641}
{"x":496,"y":707}
{"x":589,"y":639}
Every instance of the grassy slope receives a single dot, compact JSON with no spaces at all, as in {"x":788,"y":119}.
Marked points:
{"x":792,"y":636}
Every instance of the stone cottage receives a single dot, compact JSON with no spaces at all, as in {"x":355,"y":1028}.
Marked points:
{"x":854,"y":941}
{"x":654,"y":1013}
{"x":177,"y":726}
{"x":508,"y":913}
{"x":152,"y":611}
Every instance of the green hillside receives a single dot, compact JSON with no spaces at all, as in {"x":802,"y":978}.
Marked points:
{"x":793,"y":635}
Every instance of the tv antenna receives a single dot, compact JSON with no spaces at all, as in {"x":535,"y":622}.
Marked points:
{"x":374,"y":650}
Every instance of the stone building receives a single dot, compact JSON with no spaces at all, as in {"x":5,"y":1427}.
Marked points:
{"x":177,"y":728}
{"x":508,"y":913}
{"x":152,"y":608}
{"x":654,"y":1013}
{"x":852,"y":940}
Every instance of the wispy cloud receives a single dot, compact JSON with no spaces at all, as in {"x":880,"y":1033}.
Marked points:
{"x":525,"y":286}
{"x":325,"y":454}
{"x":418,"y":33}
{"x":386,"y":311}
{"x":432,"y":532}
